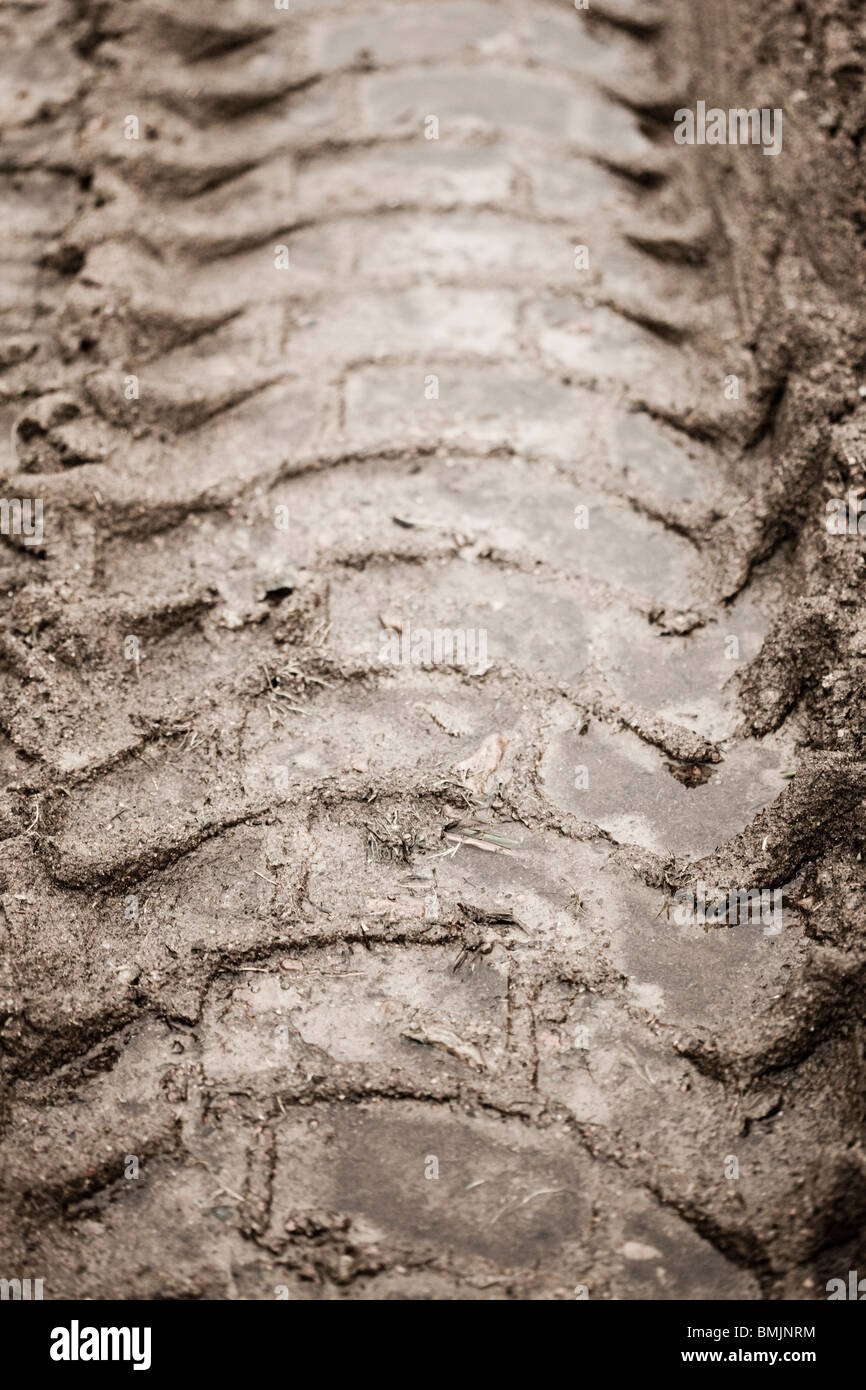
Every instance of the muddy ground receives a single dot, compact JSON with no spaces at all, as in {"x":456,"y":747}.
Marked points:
{"x":329,"y":974}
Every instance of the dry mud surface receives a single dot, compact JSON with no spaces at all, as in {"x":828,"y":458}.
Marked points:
{"x":360,"y":979}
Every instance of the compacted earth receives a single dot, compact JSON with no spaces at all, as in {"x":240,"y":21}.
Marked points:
{"x":416,"y":584}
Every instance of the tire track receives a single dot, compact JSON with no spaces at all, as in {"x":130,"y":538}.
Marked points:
{"x":286,"y":923}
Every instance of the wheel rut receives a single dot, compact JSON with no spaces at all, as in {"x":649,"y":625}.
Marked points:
{"x":403,"y":640}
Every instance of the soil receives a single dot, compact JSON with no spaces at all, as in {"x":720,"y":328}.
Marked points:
{"x":341,"y":959}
